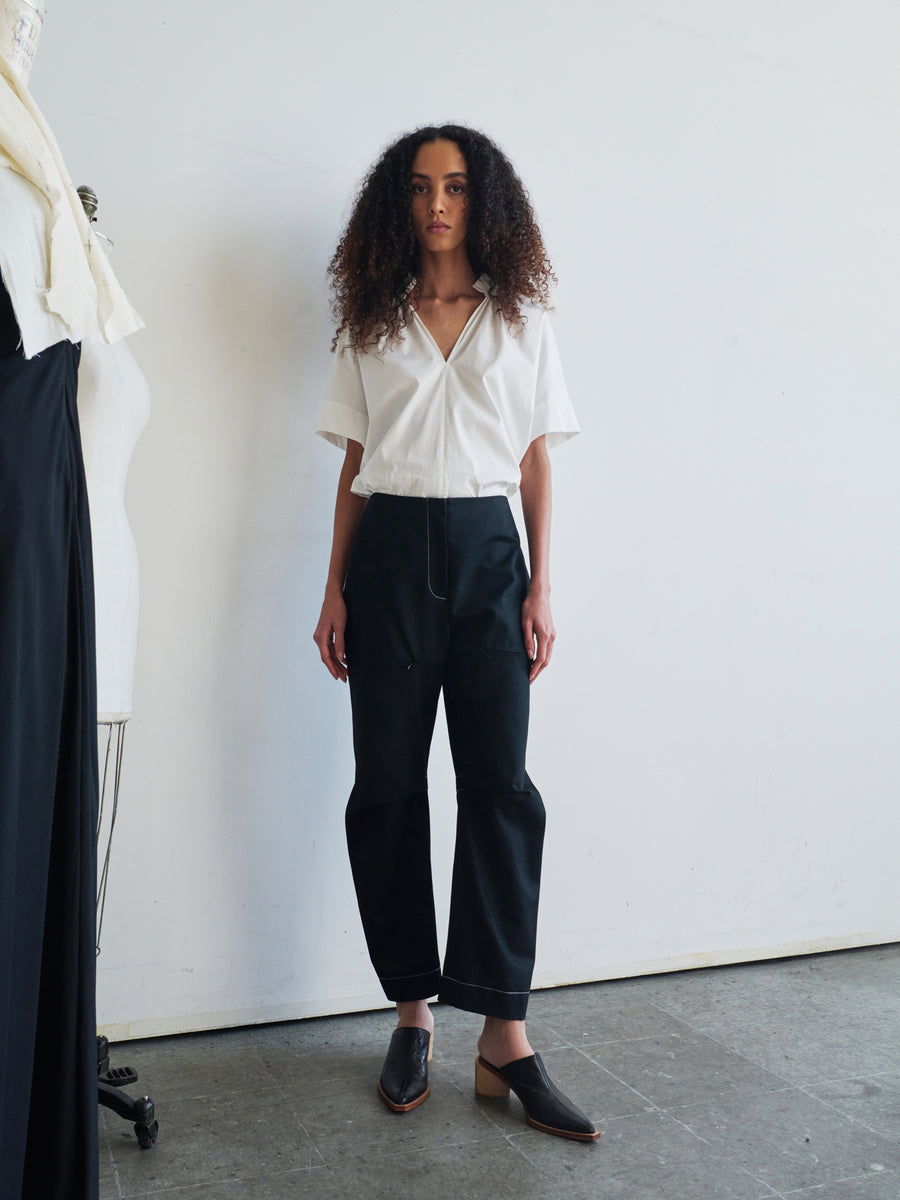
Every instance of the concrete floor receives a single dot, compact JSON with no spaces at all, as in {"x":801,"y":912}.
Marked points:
{"x":777,"y":1079}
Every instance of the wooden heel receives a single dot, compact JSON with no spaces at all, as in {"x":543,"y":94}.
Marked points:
{"x":488,"y":1082}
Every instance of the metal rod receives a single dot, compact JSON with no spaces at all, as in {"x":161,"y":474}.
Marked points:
{"x":103,"y":881}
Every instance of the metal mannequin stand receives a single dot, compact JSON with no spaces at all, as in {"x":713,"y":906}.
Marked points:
{"x":112,"y":1081}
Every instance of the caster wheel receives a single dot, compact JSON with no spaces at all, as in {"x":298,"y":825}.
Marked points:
{"x":146,"y":1135}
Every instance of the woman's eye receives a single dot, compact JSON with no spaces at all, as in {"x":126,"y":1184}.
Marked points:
{"x":418,"y":189}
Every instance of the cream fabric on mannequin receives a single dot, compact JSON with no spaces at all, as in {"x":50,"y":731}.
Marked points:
{"x":20,"y":31}
{"x":113,"y":407}
{"x":62,"y":288}
{"x":81,"y":289}
{"x":23,"y":260}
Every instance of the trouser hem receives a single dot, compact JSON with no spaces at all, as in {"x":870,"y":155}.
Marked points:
{"x":412,"y":987}
{"x":489,"y":1002}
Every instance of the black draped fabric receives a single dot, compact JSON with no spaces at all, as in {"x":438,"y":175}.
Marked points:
{"x":48,"y":783}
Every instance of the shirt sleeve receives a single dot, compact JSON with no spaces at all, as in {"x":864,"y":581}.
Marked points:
{"x":553,"y":415}
{"x":344,"y":413}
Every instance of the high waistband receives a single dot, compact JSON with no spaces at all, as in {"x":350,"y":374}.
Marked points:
{"x":458,"y":502}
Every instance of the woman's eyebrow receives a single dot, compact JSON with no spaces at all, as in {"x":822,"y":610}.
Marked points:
{"x":450,"y":175}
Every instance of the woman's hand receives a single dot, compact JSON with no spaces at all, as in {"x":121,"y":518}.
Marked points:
{"x":537,"y":629}
{"x":537,"y":623}
{"x":329,"y":635}
{"x":348,"y":508}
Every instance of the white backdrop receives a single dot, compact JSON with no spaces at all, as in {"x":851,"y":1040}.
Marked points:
{"x":717,"y":738}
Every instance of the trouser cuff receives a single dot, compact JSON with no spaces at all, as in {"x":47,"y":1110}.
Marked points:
{"x":412,"y":987}
{"x":489,"y":1002}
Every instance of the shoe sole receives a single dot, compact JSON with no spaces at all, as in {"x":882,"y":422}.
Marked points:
{"x":564,"y":1133}
{"x":402,"y":1108}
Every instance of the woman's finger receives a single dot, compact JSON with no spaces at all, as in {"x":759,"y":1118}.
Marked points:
{"x":528,"y":636}
{"x":339,"y":657}
{"x":339,"y":651}
{"x":325,"y":643}
{"x":545,"y":640}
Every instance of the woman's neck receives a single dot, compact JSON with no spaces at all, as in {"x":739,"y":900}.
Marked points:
{"x":445,"y":275}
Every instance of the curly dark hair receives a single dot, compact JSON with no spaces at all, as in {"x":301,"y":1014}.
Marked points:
{"x":377,"y":259}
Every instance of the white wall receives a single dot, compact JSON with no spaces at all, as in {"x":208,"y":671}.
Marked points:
{"x":717,"y":738}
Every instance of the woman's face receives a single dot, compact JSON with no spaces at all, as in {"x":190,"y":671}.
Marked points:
{"x":439,"y":189}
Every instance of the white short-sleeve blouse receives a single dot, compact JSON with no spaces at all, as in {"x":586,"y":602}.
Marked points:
{"x":459,"y":426}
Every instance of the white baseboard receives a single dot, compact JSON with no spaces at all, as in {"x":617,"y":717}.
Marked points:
{"x":365,"y":1002}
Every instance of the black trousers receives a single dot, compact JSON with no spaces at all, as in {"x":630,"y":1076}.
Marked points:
{"x":48,"y":783}
{"x":434,"y":591}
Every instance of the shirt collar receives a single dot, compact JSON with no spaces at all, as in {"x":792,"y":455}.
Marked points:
{"x":481,"y":284}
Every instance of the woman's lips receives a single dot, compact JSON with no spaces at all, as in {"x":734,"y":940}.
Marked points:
{"x":437,"y":227}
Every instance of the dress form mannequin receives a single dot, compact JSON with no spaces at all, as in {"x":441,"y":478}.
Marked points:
{"x":113,"y":407}
{"x":55,"y":293}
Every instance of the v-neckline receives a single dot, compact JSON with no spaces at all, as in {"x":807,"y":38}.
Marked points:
{"x":462,"y":332}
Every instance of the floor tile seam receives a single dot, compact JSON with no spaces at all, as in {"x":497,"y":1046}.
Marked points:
{"x":640,"y":1095}
{"x":857,"y":1075}
{"x":471,"y":1097}
{"x":541,"y":1168}
{"x":512,"y":1140}
{"x":705,"y":1141}
{"x":259,"y":1057}
{"x":732,"y":1049}
{"x":716,"y":1041}
{"x":617,"y":1118}
{"x":672,"y":1109}
{"x":810,"y":1191}
{"x":889,"y":1137}
{"x":731,"y":1093}
{"x":498,"y":1132}
{"x":187,"y":1188}
{"x":673,"y":1016}
{"x":222,"y":1094}
{"x":408,"y":1152}
{"x":774,"y":1193}
{"x":234,"y":1179}
{"x":785,"y":1022}
{"x":317,"y":1081}
{"x":467,"y":1091}
{"x":863,"y":1175}
{"x":315,"y":1148}
{"x":115,"y":1170}
{"x":564,"y":1040}
{"x":625,"y":1041}
{"x":495,"y":1134}
{"x":724,"y":1157}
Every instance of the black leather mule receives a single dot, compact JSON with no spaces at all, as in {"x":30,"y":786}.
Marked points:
{"x":404,"y":1077}
{"x":546,"y":1108}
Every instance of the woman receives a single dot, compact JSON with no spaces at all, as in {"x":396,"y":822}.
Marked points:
{"x":445,"y":391}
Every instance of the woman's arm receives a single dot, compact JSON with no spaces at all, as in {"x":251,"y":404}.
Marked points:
{"x":329,"y":635}
{"x":537,"y":623}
